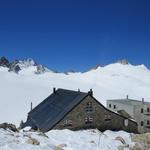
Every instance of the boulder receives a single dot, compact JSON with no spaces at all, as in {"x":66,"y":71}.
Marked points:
{"x":60,"y":147}
{"x":11,"y":127}
{"x":119,"y":138}
{"x":33,"y":141}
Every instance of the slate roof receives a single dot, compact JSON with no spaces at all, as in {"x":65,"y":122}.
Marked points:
{"x":49,"y":112}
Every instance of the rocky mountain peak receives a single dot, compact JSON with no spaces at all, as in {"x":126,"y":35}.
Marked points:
{"x":123,"y":62}
{"x":27,"y":63}
{"x":17,"y":65}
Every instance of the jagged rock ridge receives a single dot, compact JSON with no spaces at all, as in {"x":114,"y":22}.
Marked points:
{"x":17,"y":65}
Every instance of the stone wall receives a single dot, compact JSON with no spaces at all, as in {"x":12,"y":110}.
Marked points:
{"x":103,"y":119}
{"x":142,"y":117}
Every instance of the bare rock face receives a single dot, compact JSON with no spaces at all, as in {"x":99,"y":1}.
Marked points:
{"x":94,"y":68}
{"x":14,"y":67}
{"x":123,"y":62}
{"x":4,"y":62}
{"x":11,"y":127}
{"x":40,"y":69}
{"x":70,"y":71}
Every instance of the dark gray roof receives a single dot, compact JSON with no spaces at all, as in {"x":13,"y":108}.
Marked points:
{"x":54,"y":108}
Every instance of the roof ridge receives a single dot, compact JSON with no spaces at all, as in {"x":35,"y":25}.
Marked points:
{"x":71,"y":90}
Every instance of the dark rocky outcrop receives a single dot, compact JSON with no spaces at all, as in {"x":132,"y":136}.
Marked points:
{"x":10,"y":126}
{"x":70,"y":71}
{"x":94,"y":68}
{"x":4,"y":62}
{"x":14,"y":66}
{"x":40,"y":69}
{"x":17,"y":65}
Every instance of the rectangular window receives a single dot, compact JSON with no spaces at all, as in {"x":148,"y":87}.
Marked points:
{"x":142,"y":123}
{"x":109,"y":105}
{"x":114,"y":106}
{"x":142,"y":110}
{"x":67,"y":123}
{"x":148,"y":124}
{"x":88,"y":120}
{"x":107,"y":117}
{"x":89,"y":107}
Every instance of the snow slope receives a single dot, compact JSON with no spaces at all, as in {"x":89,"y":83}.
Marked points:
{"x":112,"y":81}
{"x":66,"y":139}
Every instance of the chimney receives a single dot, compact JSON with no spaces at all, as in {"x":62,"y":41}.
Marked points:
{"x":142,"y":100}
{"x":78,"y":90}
{"x":90,"y":92}
{"x":31,"y":106}
{"x":127,"y":97}
{"x":54,"y":90}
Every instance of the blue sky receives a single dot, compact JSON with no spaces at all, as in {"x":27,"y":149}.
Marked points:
{"x":75,"y":34}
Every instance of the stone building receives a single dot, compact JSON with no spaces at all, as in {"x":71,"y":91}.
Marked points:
{"x":75,"y":110}
{"x":137,"y":110}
